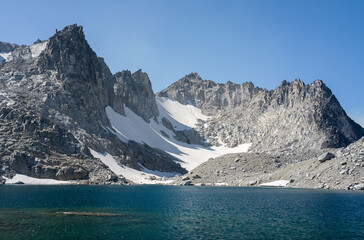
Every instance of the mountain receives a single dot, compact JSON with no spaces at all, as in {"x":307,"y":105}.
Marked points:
{"x":54,"y":96}
{"x":292,"y":117}
{"x":65,"y":116}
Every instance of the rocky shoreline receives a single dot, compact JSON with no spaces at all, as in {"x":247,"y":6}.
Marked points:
{"x":342,"y":169}
{"x":334,"y":169}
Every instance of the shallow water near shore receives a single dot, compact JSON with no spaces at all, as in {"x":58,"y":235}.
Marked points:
{"x":178,"y":212}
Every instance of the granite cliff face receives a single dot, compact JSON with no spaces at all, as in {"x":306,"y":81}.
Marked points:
{"x":294,"y":117}
{"x":135,"y":91}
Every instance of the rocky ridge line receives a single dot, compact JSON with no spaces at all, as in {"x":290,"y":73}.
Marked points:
{"x":294,"y":117}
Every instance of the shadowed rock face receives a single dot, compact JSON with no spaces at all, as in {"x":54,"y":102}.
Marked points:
{"x":36,"y":147}
{"x":7,"y":47}
{"x":135,"y":91}
{"x":292,"y":117}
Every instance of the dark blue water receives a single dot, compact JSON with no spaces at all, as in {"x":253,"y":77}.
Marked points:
{"x":171,"y":212}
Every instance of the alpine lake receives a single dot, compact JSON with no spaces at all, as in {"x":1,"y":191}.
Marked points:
{"x":178,"y":212}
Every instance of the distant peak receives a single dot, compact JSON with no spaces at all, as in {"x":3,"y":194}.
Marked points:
{"x":284,"y":83}
{"x":248,"y":84}
{"x":38,"y":41}
{"x":68,"y":51}
{"x":298,"y":81}
{"x":7,"y":47}
{"x":318,"y":82}
{"x":193,"y":75}
{"x":70,"y":30}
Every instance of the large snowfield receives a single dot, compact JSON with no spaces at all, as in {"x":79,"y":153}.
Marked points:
{"x":133,"y":127}
{"x":139,"y":177}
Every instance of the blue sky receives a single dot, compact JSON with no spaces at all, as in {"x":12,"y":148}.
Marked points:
{"x":260,"y":41}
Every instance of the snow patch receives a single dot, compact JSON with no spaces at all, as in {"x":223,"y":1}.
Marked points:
{"x":4,"y":56}
{"x":221,"y":184}
{"x":37,"y":48}
{"x":133,"y":127}
{"x":34,"y":181}
{"x":278,"y":183}
{"x":158,"y":173}
{"x":181,"y":116}
{"x":139,"y":177}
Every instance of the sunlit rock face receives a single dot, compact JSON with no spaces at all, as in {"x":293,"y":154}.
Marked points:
{"x":292,"y":117}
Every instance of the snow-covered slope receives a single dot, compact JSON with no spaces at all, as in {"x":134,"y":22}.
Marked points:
{"x":181,"y":116}
{"x":37,"y":48}
{"x":4,"y":56}
{"x":133,"y":127}
{"x":145,"y":176}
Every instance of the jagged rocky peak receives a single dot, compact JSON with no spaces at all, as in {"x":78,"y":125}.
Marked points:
{"x":82,"y":81}
{"x":186,"y":89}
{"x":68,"y":52}
{"x":193,"y":76}
{"x":7,"y":47}
{"x":208,"y":95}
{"x":135,"y":91}
{"x":272,"y":120}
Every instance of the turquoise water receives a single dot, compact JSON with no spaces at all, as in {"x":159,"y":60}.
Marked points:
{"x":179,"y":212}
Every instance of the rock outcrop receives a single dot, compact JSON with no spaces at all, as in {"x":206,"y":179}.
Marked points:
{"x":135,"y":91}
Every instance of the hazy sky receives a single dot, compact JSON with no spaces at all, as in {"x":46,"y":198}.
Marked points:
{"x":260,"y":41}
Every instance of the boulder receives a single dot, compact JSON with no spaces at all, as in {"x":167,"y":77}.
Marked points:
{"x":359,"y":186}
{"x":187,"y":183}
{"x":152,"y":178}
{"x":185,"y":178}
{"x":2,"y":180}
{"x":361,"y":152}
{"x":71,"y":173}
{"x":251,"y":183}
{"x":196,"y":176}
{"x":325,"y":157}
